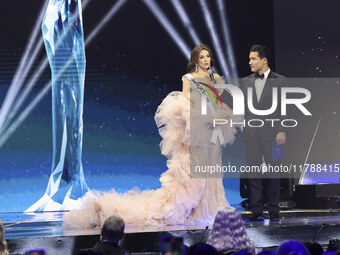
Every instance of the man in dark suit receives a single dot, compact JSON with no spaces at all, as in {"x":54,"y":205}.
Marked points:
{"x":112,"y":231}
{"x":258,"y":141}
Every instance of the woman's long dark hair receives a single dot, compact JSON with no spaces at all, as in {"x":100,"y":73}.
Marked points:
{"x":195,"y":53}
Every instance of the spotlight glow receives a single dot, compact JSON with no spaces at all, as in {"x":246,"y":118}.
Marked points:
{"x":164,"y":21}
{"x":302,"y":179}
{"x":26,"y":63}
{"x":186,"y":21}
{"x":217,"y":45}
{"x":227,"y":39}
{"x":5,"y":134}
{"x":114,"y":9}
{"x":23,"y":68}
{"x":8,"y":116}
{"x":9,"y":131}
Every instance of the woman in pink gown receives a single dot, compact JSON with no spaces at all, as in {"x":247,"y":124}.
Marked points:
{"x":181,"y":198}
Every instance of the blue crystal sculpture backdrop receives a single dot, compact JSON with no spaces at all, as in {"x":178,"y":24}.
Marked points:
{"x":64,"y":41}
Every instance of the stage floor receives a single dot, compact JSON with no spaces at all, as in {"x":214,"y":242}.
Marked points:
{"x":44,"y":230}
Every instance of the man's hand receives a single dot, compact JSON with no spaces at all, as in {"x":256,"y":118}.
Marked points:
{"x":280,"y":138}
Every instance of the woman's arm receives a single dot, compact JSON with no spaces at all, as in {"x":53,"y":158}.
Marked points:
{"x":186,"y":87}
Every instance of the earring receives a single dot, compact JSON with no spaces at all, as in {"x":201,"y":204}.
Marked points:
{"x":196,"y":67}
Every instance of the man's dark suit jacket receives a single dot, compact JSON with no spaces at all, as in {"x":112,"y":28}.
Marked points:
{"x":267,"y":132}
{"x":106,"y":248}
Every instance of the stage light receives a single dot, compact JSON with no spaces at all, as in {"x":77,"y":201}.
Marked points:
{"x":4,"y":137}
{"x":8,"y":116}
{"x":302,"y":179}
{"x":213,"y":34}
{"x":186,"y":21}
{"x":227,"y":38}
{"x":164,"y":21}
{"x":114,"y":9}
{"x":5,"y":134}
{"x":24,"y":65}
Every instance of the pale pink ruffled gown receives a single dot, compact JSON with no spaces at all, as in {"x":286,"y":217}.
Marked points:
{"x":181,"y":199}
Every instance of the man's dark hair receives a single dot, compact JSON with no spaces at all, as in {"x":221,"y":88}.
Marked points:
{"x":202,"y":248}
{"x":333,"y":245}
{"x":113,"y":228}
{"x":263,"y":52}
{"x":313,"y":248}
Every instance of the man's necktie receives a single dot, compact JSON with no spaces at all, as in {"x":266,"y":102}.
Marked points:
{"x":259,"y":76}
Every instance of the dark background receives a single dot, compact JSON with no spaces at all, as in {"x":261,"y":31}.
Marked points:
{"x":307,"y":46}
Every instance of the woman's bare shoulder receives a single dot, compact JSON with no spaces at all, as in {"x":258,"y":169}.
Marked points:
{"x":216,"y":75}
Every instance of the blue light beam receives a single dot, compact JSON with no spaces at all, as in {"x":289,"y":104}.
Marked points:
{"x":186,"y":21}
{"x":4,"y":136}
{"x":164,"y":21}
{"x":228,"y":44}
{"x":23,"y":68}
{"x":32,"y":81}
{"x":213,"y":34}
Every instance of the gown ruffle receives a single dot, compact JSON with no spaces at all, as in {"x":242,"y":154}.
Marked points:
{"x":181,"y":199}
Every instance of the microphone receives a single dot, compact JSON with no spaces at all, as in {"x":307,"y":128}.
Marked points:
{"x":211,"y":75}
